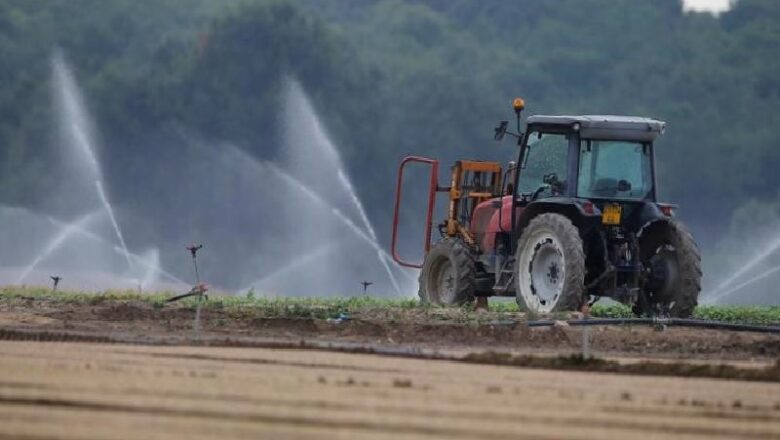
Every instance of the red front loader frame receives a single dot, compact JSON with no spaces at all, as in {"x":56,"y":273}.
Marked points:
{"x":433,"y":187}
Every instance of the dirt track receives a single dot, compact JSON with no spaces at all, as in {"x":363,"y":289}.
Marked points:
{"x":85,"y":391}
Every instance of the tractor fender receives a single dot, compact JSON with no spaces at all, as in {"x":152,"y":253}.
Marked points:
{"x":490,"y":218}
{"x":649,"y":214}
{"x":571,"y":208}
{"x":655,"y":224}
{"x":652,"y":218}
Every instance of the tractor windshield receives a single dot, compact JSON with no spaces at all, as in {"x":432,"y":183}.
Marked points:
{"x":544,"y":170}
{"x":614,"y":170}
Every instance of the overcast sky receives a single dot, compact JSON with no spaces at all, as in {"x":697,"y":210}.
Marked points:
{"x":707,"y":5}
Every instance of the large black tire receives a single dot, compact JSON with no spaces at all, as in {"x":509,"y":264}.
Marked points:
{"x":550,"y":265}
{"x":671,"y":253}
{"x":448,"y":274}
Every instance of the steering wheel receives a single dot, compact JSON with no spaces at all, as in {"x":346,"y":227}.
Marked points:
{"x":552,"y":183}
{"x":539,"y":191}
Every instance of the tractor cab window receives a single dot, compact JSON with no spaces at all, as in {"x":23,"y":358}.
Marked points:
{"x":614,"y":170}
{"x":543,"y":173}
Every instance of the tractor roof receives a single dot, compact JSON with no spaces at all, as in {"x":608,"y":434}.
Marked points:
{"x":632,"y":128}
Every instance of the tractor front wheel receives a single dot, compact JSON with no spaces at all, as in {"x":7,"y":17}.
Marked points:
{"x":550,"y":265}
{"x":448,"y":274}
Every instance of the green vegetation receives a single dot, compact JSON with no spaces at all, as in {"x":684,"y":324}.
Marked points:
{"x":332,"y":308}
{"x":319,"y":308}
{"x":735,"y":314}
{"x":752,"y":314}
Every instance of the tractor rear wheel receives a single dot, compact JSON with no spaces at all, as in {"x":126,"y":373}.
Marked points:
{"x":550,"y":265}
{"x":670,"y":253}
{"x":448,"y":274}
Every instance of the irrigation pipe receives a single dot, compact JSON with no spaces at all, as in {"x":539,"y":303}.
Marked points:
{"x":657,"y":322}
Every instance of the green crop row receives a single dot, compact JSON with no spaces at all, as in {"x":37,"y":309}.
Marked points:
{"x":332,"y":307}
{"x":730,"y":313}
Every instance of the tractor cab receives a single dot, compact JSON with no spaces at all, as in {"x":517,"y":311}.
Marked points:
{"x":575,"y":218}
{"x":591,"y":157}
{"x":601,"y":165}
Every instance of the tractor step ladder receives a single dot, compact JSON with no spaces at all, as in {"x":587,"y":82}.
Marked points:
{"x":506,"y":276}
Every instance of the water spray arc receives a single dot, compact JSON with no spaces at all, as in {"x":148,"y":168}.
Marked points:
{"x":293,"y":265}
{"x":356,"y":202}
{"x":346,"y":220}
{"x":302,"y":119}
{"x":79,"y":228}
{"x":77,"y":127}
{"x":66,"y":231}
{"x":755,"y":279}
{"x":117,"y":230}
{"x":264,"y":167}
{"x":298,"y":100}
{"x":78,"y":139}
{"x":73,"y":114}
{"x":138,"y":260}
{"x":85,"y":187}
{"x":363,"y":216}
{"x":723,"y":289}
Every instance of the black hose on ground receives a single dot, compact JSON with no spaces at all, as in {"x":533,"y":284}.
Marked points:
{"x":661,"y":322}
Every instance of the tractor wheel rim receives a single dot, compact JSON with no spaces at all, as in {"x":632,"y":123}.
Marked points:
{"x":664,"y":270}
{"x":542,"y":272}
{"x":445,"y":282}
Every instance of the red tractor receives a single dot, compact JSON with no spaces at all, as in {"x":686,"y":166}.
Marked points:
{"x":574,"y":219}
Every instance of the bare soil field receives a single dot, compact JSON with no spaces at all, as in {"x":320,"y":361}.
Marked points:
{"x":95,"y":391}
{"x":135,"y":369}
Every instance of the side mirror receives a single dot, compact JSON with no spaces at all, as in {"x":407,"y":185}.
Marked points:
{"x":500,"y":130}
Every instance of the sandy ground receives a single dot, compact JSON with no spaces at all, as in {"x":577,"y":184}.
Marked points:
{"x":91,"y":391}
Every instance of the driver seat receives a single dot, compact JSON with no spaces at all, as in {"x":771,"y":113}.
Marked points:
{"x":605,"y":187}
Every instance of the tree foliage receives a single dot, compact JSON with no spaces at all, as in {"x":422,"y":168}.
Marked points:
{"x":392,"y":77}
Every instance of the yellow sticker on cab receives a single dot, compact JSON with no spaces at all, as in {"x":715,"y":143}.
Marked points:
{"x":611,"y":214}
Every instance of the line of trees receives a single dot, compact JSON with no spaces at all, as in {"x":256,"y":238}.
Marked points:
{"x":392,"y":77}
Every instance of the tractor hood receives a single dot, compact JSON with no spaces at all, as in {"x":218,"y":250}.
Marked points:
{"x":628,"y":128}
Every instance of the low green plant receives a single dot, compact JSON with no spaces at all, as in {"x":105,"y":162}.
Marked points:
{"x":613,"y":310}
{"x":253,"y":305}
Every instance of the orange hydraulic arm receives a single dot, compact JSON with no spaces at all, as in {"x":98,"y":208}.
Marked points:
{"x":474,"y":181}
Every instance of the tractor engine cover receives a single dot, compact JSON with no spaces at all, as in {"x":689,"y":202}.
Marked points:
{"x":485,"y":221}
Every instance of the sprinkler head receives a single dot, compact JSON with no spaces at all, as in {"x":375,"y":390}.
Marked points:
{"x":200,"y":289}
{"x":194,"y":248}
